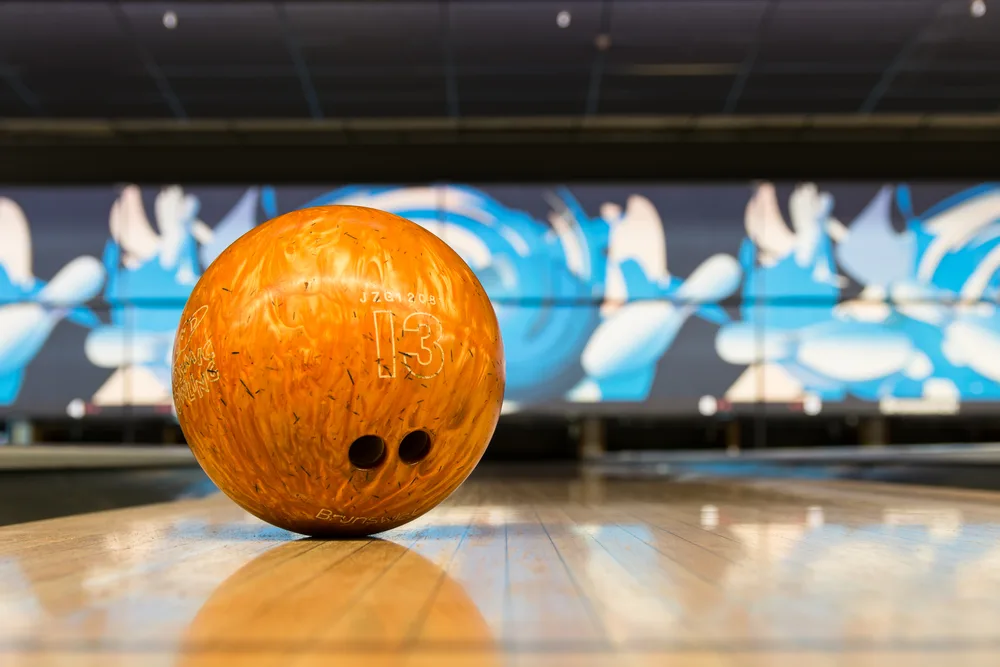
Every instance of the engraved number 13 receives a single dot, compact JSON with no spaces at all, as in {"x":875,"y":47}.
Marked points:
{"x":418,"y":344}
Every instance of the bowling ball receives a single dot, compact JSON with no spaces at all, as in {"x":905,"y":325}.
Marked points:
{"x":338,"y":370}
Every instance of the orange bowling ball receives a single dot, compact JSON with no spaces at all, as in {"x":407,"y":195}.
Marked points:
{"x":338,"y":370}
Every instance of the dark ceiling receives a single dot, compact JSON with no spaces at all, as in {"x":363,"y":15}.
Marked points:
{"x":476,"y":58}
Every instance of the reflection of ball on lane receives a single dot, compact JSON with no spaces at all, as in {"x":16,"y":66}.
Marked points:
{"x":338,"y":370}
{"x":336,"y":598}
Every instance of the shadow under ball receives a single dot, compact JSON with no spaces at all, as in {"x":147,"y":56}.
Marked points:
{"x":338,"y":370}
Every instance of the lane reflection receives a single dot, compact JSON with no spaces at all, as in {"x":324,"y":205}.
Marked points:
{"x":198,"y":585}
{"x":124,"y":581}
{"x":795,"y":566}
{"x":313,"y":597}
{"x":524,"y":566}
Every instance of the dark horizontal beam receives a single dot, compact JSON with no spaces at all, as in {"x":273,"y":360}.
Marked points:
{"x":650,"y":70}
{"x":606,"y":149}
{"x":590,"y":126}
{"x":510,"y":162}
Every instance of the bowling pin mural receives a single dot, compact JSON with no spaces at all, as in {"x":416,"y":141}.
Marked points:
{"x":586,"y":299}
{"x":30,"y":307}
{"x":150,"y":275}
{"x":923,"y":328}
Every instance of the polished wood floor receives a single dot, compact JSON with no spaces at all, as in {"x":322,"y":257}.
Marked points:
{"x":572,"y":570}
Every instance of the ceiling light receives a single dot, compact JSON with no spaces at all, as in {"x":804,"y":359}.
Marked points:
{"x":563,"y":19}
{"x":169,"y":20}
{"x":977,"y":8}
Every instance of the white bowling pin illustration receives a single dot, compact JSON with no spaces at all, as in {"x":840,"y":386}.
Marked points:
{"x":637,"y":234}
{"x":955,"y":227}
{"x":974,"y":342}
{"x":640,"y":332}
{"x":175,"y":215}
{"x":809,"y":209}
{"x":850,"y":354}
{"x":843,"y":351}
{"x":974,"y":288}
{"x":111,"y":347}
{"x":766,"y":226}
{"x":24,"y":327}
{"x":743,"y":343}
{"x":15,"y":250}
{"x":130,"y":228}
{"x":77,"y":282}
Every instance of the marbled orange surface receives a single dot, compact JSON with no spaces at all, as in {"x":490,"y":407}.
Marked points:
{"x":322,"y":326}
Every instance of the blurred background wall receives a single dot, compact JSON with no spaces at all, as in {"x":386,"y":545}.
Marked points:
{"x":747,"y":313}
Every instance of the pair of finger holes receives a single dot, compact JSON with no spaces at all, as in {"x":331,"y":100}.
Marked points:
{"x":368,"y":451}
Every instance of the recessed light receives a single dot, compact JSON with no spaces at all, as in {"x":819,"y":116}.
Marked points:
{"x":563,"y":19}
{"x":169,"y":20}
{"x":977,"y":8}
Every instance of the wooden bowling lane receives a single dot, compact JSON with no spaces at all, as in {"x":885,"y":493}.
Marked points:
{"x":523,"y":570}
